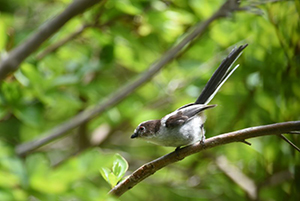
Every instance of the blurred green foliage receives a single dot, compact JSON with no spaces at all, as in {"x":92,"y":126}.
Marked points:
{"x":132,"y":34}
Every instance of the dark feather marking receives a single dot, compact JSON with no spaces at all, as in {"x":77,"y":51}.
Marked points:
{"x":219,"y":75}
{"x":151,"y":127}
{"x":176,"y":120}
{"x":157,"y":125}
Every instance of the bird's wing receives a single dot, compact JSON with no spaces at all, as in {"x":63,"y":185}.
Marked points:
{"x":185,"y":113}
{"x":193,"y":109}
{"x":176,"y":119}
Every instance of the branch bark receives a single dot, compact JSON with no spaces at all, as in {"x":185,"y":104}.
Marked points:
{"x":20,"y":53}
{"x":237,"y":136}
{"x":59,"y":131}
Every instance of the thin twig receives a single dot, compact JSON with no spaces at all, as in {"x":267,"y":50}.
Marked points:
{"x":17,"y":55}
{"x":63,"y":41}
{"x":150,"y":168}
{"x":123,"y":92}
{"x":288,"y":141}
{"x":246,"y":142}
{"x":75,"y":34}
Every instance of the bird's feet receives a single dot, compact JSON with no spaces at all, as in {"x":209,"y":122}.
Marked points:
{"x":202,"y":140}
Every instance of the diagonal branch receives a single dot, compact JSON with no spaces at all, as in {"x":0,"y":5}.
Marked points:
{"x":59,"y":131}
{"x":237,"y":136}
{"x":20,"y":53}
{"x":288,"y":141}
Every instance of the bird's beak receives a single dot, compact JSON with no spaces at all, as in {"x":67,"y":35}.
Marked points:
{"x":135,"y":135}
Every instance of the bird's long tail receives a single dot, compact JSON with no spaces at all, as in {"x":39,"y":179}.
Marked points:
{"x":220,"y":76}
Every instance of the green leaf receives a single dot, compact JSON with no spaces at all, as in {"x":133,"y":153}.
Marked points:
{"x":113,"y":179}
{"x":2,"y":35}
{"x":120,"y":166}
{"x":107,"y":54}
{"x":126,"y":6}
{"x":109,"y":176}
{"x":11,"y":93}
{"x":29,"y":114}
{"x":105,"y":173}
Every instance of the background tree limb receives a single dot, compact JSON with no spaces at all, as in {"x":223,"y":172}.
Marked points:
{"x":17,"y":55}
{"x":59,"y":131}
{"x":237,"y":176}
{"x":237,"y":136}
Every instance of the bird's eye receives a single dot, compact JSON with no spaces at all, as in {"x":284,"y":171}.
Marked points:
{"x":142,"y":128}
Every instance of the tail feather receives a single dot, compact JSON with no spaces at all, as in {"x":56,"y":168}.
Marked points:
{"x":220,"y":76}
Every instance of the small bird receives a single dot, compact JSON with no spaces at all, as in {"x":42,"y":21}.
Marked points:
{"x":184,"y":126}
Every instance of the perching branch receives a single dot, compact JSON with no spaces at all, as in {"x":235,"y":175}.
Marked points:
{"x":20,"y":53}
{"x":228,"y":7}
{"x":237,"y":136}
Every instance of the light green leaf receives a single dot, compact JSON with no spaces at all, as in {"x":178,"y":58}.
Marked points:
{"x":126,"y":6}
{"x":120,"y":166}
{"x":2,"y":35}
{"x":109,"y":176}
{"x":113,"y":179}
{"x":104,"y":173}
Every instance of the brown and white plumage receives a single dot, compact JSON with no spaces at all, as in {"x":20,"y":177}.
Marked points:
{"x":184,"y":126}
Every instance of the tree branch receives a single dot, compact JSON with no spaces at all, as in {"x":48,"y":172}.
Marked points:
{"x":59,"y":131}
{"x":150,"y":168}
{"x":20,"y":53}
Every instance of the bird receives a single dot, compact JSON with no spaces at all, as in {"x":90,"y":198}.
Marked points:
{"x":185,"y":125}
